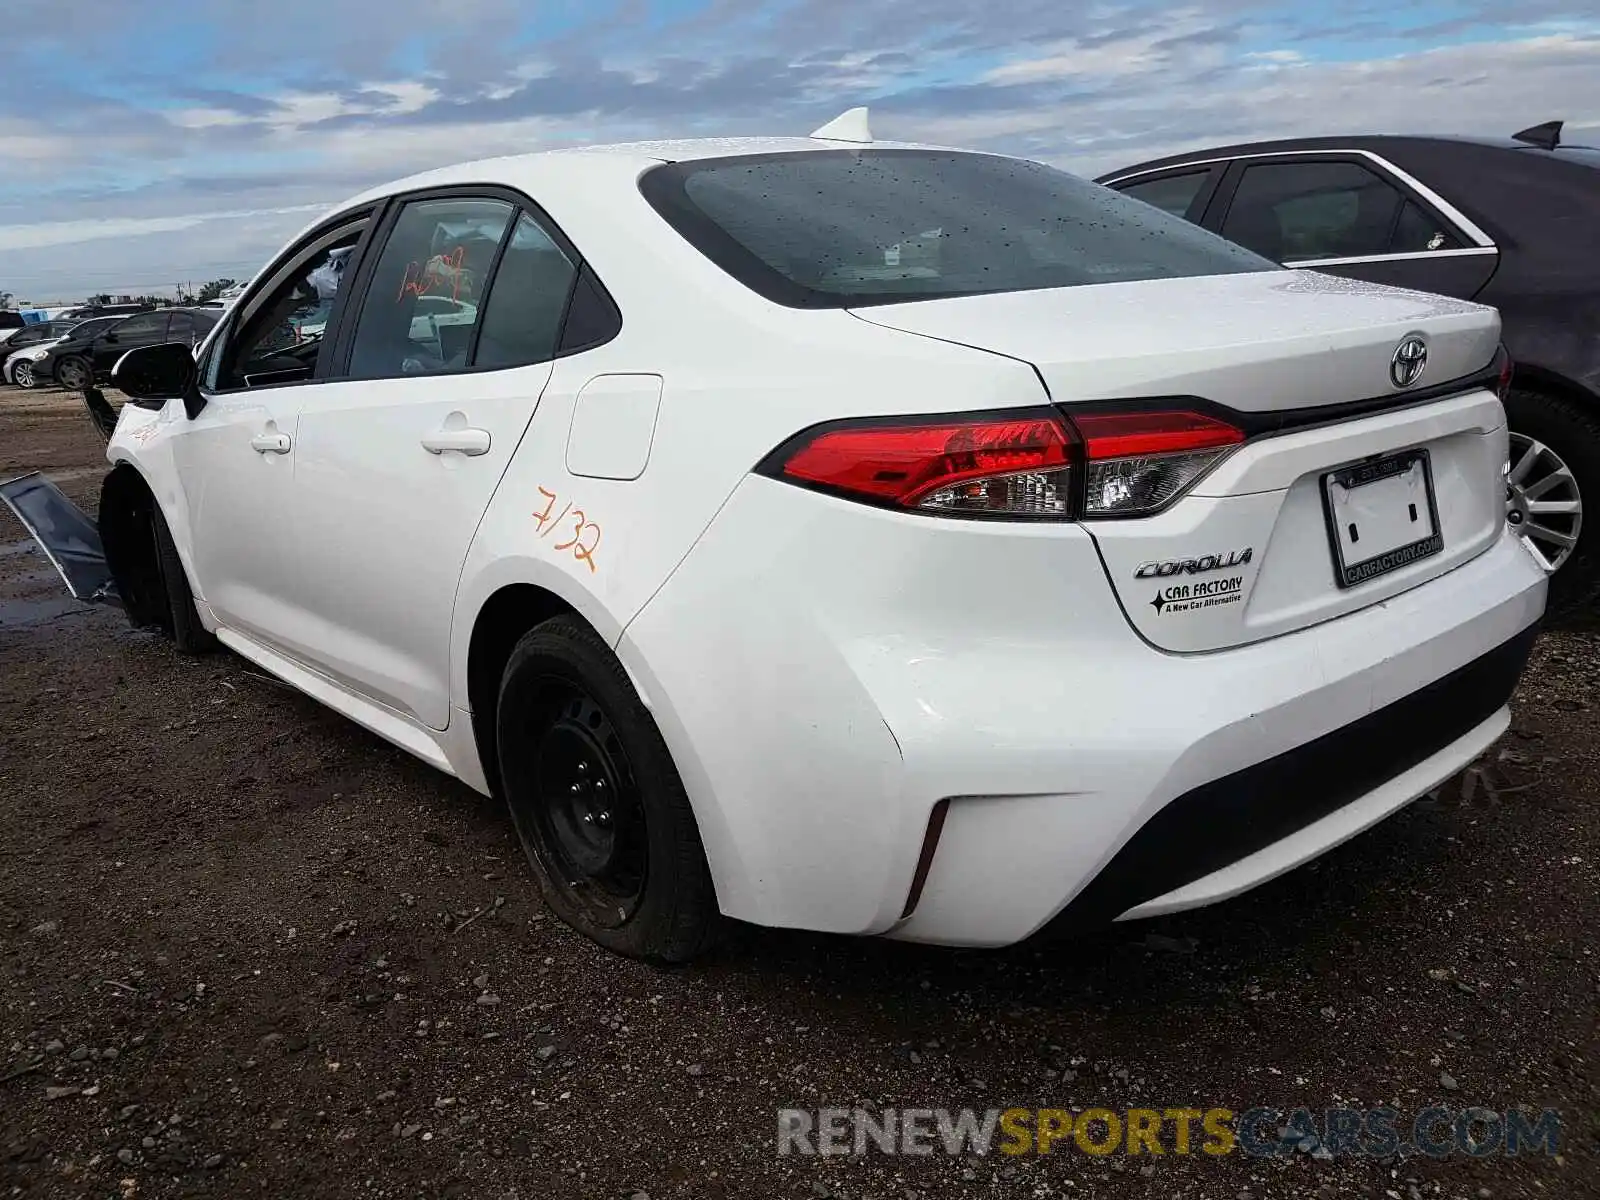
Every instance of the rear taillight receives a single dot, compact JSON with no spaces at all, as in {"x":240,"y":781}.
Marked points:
{"x":1503,"y":385}
{"x":1018,"y":465}
{"x":1035,"y":463}
{"x":1140,"y":462}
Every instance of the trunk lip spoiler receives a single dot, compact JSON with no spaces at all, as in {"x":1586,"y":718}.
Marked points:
{"x":1279,"y":422}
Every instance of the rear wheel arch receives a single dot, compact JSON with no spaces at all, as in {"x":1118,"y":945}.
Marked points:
{"x":504,"y":618}
{"x":1532,"y":377}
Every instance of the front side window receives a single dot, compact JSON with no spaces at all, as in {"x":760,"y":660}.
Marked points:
{"x":422,"y":308}
{"x":842,"y":228}
{"x":281,"y":336}
{"x":1171,"y":193}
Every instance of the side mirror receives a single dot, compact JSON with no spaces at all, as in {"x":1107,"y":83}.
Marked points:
{"x":151,"y":375}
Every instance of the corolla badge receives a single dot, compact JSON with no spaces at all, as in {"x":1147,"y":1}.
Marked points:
{"x":1409,"y":361}
{"x":1162,"y":568}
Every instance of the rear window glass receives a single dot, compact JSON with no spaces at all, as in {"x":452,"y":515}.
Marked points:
{"x":834,"y":229}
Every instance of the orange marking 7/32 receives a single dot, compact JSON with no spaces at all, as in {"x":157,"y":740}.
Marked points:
{"x":581,"y":543}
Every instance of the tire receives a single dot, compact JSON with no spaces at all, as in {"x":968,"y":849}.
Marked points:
{"x":22,"y":375}
{"x":183,"y":620}
{"x":74,"y":373}
{"x":1556,"y":446}
{"x":597,"y":802}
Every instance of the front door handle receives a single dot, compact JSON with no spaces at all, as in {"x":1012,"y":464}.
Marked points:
{"x":472,"y":442}
{"x":270,"y":443}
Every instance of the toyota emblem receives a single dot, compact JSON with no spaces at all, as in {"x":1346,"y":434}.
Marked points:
{"x":1409,"y":361}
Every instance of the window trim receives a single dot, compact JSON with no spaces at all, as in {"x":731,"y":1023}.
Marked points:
{"x":269,"y":280}
{"x":521,"y":204}
{"x":1479,"y":242}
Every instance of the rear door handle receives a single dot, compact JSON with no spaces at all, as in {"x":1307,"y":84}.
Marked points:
{"x":270,"y":443}
{"x":472,"y":442}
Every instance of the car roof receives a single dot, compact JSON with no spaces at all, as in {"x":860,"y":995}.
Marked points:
{"x":575,"y":162}
{"x":1376,"y":142}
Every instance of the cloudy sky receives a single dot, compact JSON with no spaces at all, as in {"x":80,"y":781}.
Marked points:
{"x":149,"y":143}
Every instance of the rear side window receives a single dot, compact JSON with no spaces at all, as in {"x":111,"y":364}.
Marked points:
{"x":844,"y":228}
{"x":423,"y":305}
{"x":1419,"y":230}
{"x":1171,"y":193}
{"x":147,"y":326}
{"x":1297,"y":211}
{"x":522,"y":315}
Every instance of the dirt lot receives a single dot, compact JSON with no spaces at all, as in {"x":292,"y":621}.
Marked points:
{"x":247,"y":949}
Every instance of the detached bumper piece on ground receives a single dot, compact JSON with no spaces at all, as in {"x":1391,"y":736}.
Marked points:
{"x":68,"y":538}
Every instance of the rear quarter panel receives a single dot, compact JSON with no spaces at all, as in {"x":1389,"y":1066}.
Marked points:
{"x":739,"y":376}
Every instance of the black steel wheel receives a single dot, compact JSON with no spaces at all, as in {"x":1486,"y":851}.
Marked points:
{"x":587,"y":817}
{"x":597,"y":801}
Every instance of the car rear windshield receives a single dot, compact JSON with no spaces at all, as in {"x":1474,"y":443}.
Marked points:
{"x":845,"y":228}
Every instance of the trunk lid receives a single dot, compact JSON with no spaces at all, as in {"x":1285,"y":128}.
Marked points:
{"x":1258,"y":342}
{"x":1302,"y":523}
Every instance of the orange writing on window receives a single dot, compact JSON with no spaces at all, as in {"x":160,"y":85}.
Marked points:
{"x":441,"y":273}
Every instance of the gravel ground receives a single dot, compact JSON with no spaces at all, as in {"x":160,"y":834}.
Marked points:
{"x":247,"y":949}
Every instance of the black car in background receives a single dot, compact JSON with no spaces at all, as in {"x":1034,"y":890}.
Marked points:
{"x":1514,"y":223}
{"x":89,"y":353}
{"x":20,"y":337}
{"x":20,"y":364}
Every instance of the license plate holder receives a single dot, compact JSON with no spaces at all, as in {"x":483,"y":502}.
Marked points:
{"x":1382,"y":515}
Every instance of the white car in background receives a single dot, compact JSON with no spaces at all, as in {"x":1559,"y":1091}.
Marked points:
{"x":1065,"y":564}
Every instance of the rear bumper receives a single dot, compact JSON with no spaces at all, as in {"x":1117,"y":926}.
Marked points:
{"x":1232,"y":833}
{"x":827,"y":676}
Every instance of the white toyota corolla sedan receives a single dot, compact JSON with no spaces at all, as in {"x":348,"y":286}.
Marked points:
{"x":845,"y":535}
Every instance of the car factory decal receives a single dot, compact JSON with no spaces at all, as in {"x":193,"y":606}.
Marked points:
{"x":582,"y":535}
{"x":1189,"y":597}
{"x":1202,"y":593}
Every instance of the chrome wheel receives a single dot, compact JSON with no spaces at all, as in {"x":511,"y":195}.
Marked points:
{"x":22,"y":374}
{"x":1543,"y":504}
